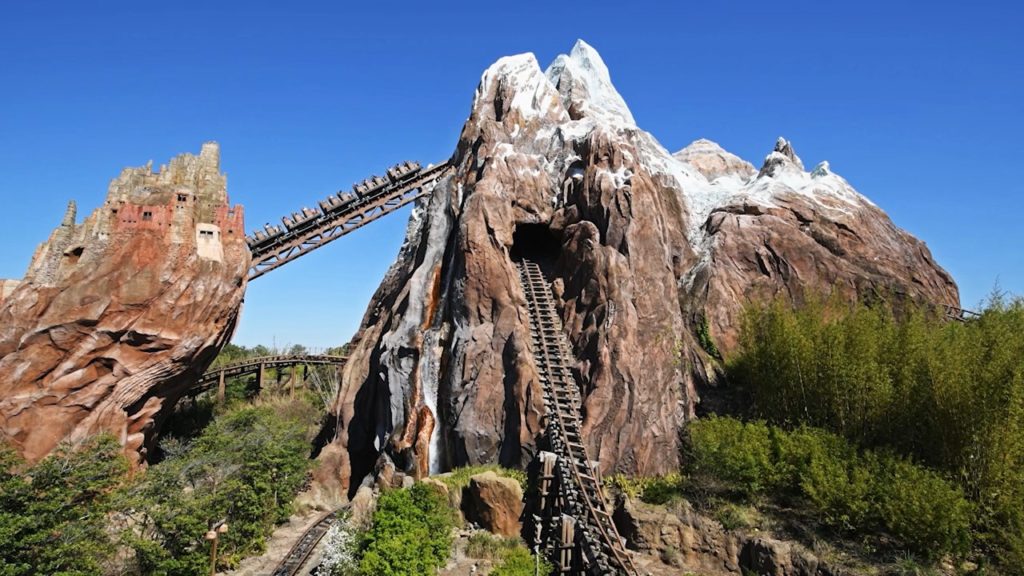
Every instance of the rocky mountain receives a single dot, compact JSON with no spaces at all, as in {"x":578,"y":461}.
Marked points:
{"x":646,"y":250}
{"x":117,"y":314}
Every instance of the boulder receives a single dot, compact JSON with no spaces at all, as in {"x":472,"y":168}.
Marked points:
{"x":494,"y":503}
{"x":362,"y":506}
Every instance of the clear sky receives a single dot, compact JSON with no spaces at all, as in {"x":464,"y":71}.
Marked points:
{"x":919,"y":105}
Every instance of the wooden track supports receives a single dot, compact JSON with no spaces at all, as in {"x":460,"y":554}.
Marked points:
{"x":567,"y":544}
{"x":220,"y":389}
{"x":589,"y":544}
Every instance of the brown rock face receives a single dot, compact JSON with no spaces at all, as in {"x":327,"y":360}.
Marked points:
{"x":692,"y":541}
{"x":117,"y":315}
{"x":494,"y":503}
{"x":644,"y":249}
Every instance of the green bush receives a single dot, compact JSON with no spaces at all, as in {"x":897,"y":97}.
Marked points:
{"x":920,"y":508}
{"x":832,"y":476}
{"x":53,"y":515}
{"x":245,"y":468}
{"x":650,"y":489}
{"x":947,"y":394}
{"x":411,"y":534}
{"x":519,"y":561}
{"x":741,"y":455}
{"x":852,"y":491}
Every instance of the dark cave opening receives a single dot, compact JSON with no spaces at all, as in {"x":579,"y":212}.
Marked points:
{"x":535,"y":242}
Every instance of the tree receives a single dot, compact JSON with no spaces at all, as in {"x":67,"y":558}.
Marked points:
{"x":53,"y":515}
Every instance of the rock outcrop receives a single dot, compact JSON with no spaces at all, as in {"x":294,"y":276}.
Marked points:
{"x":117,"y":315}
{"x":691,"y":541}
{"x":646,"y":251}
{"x":494,"y":503}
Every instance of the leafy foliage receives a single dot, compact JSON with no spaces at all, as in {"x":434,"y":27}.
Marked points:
{"x":518,"y":561}
{"x":53,"y":514}
{"x":411,"y":533}
{"x":650,"y":489}
{"x":948,"y":394}
{"x":853,"y":491}
{"x":244,"y":469}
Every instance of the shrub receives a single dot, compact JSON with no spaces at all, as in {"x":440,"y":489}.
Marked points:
{"x":650,"y":489}
{"x":947,"y":394}
{"x":485,"y":546}
{"x":53,"y":514}
{"x":852,"y":491}
{"x":341,"y":550}
{"x":920,"y":508}
{"x":411,"y":533}
{"x":734,"y":452}
{"x":245,"y":468}
{"x":519,"y":561}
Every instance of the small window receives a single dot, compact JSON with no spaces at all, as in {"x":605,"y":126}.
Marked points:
{"x":147,"y":216}
{"x":182,"y":198}
{"x":206,"y":233}
{"x":113,"y":211}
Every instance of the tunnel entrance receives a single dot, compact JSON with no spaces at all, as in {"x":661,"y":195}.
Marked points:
{"x":535,"y":242}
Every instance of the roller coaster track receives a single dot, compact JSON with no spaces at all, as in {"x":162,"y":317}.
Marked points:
{"x":580,"y":489}
{"x":212,"y":377}
{"x":958,"y":314}
{"x":303,"y":548}
{"x":327,"y":227}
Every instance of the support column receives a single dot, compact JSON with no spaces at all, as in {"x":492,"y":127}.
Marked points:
{"x":220,"y":389}
{"x":295,"y":376}
{"x":568,"y":543}
{"x":259,"y":377}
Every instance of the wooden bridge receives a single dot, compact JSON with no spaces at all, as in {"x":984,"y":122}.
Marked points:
{"x":258,"y":365}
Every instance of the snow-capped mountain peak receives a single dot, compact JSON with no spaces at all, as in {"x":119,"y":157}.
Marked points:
{"x":583,"y":80}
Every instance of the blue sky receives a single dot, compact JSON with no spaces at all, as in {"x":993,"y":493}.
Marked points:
{"x":920,"y":106}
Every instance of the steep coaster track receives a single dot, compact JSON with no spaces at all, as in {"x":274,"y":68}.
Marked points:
{"x":214,"y":376}
{"x":580,"y":493}
{"x":303,"y":548}
{"x":313,"y":228}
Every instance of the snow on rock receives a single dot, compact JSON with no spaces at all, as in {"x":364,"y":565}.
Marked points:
{"x":585,"y":84}
{"x":644,"y":248}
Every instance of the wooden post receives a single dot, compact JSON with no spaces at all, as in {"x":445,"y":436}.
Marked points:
{"x":220,"y":389}
{"x":568,"y":541}
{"x":547,"y":474}
{"x":291,"y":384}
{"x":259,"y":377}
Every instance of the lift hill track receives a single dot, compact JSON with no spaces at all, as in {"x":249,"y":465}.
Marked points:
{"x":576,"y":525}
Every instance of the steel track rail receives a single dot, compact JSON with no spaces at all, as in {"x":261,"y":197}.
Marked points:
{"x":303,"y":548}
{"x":330,"y":227}
{"x":600,"y":539}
